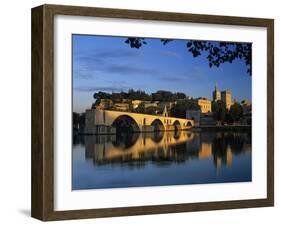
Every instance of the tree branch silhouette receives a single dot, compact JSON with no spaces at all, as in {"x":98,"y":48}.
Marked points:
{"x":217,"y":52}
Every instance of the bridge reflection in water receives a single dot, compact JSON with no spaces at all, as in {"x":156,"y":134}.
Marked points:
{"x":206,"y":157}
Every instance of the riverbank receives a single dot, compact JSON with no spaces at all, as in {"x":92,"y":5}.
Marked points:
{"x":246,"y":128}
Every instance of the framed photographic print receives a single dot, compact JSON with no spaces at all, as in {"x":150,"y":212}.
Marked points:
{"x":141,"y":112}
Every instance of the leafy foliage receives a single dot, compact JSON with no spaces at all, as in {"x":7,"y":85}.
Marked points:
{"x":151,"y":110}
{"x":131,"y":95}
{"x":180,"y":108}
{"x":219,"y":110}
{"x":135,"y":42}
{"x":236,"y":112}
{"x":160,"y":95}
{"x":78,"y":121}
{"x":101,"y":95}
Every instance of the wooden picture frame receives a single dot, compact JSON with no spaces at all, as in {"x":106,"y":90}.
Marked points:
{"x":42,"y":205}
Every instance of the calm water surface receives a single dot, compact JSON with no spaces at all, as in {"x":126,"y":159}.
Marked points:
{"x":155,"y":159}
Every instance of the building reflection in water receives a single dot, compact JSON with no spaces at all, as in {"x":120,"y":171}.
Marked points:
{"x":162,"y":148}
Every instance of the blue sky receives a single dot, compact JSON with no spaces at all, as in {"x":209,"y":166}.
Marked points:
{"x":104,"y":63}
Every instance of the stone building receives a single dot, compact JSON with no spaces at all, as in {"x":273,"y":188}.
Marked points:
{"x":194,"y":115}
{"x":136,"y":103}
{"x":105,"y":104}
{"x":204,"y":104}
{"x":121,"y":106}
{"x":148,"y":104}
{"x":226,"y":98}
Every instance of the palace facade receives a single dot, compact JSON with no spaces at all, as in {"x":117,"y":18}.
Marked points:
{"x":225,"y":96}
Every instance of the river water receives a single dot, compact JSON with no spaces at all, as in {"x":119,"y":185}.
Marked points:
{"x":158,"y":159}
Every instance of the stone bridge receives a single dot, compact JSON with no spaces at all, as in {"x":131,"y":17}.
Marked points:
{"x":109,"y":122}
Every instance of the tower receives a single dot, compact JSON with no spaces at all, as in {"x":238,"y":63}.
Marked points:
{"x":165,"y":111}
{"x":216,"y":94}
{"x":226,"y":98}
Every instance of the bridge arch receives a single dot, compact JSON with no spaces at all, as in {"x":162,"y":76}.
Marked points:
{"x":125,"y":140}
{"x":158,"y":136}
{"x":125,"y":123}
{"x":158,"y":125}
{"x":189,"y":124}
{"x":177,"y":125}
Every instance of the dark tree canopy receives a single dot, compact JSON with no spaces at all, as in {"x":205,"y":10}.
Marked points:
{"x":151,"y":110}
{"x":163,"y":95}
{"x":217,"y":52}
{"x":78,"y":121}
{"x":219,"y":110}
{"x":236,"y":112}
{"x":75,"y":119}
{"x":160,"y":95}
{"x":180,"y":108}
{"x":221,"y":113}
{"x":101,"y":95}
{"x":119,"y":96}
